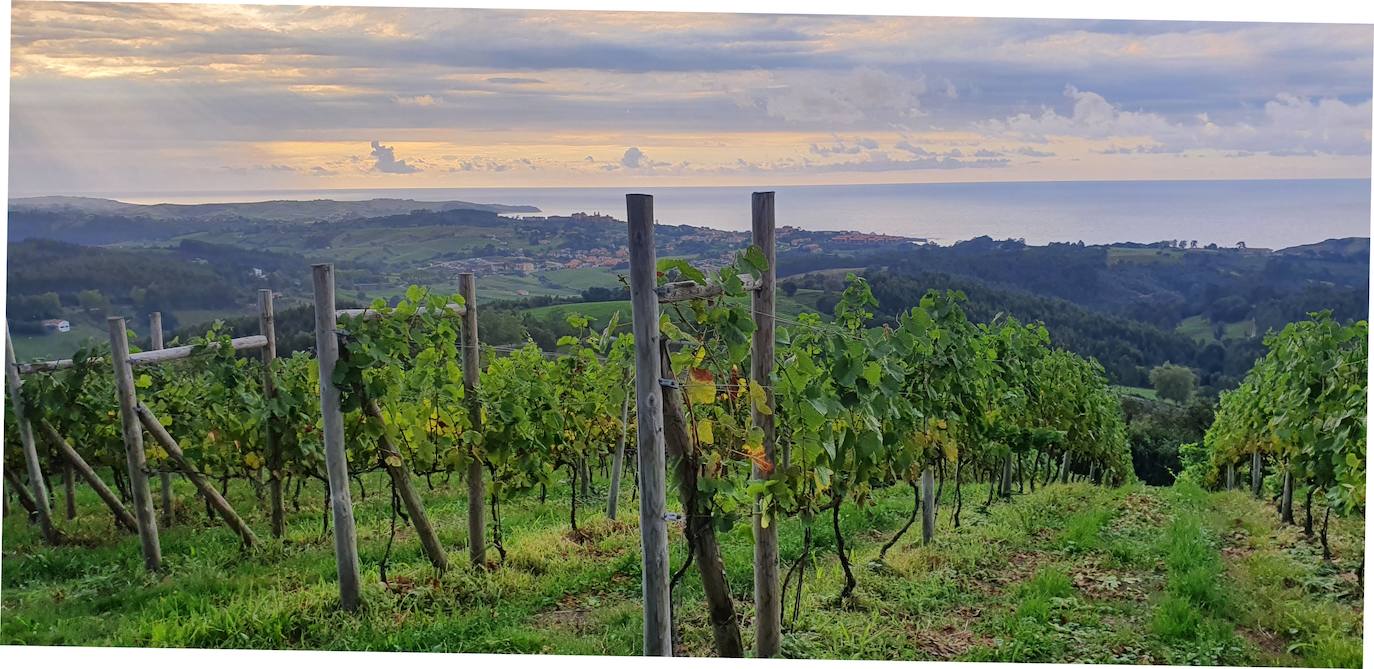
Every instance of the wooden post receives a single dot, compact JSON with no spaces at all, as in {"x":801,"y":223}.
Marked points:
{"x":76,"y":462}
{"x":1256,"y":473}
{"x":42,"y":510}
{"x":400,"y":480}
{"x":618,"y":461}
{"x":133,"y":444}
{"x":653,"y":526}
{"x":216,"y":500}
{"x":26,"y":500}
{"x":927,"y":504}
{"x":477,"y":490}
{"x":700,"y":521}
{"x":40,"y":491}
{"x":336,"y":458}
{"x":1286,"y":501}
{"x":164,"y":477}
{"x":69,"y":489}
{"x":267,"y":328}
{"x":1230,"y":476}
{"x":767,"y":588}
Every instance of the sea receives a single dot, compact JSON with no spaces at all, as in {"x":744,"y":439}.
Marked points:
{"x":1262,"y":214}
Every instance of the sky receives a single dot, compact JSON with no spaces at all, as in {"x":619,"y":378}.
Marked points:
{"x":130,"y":98}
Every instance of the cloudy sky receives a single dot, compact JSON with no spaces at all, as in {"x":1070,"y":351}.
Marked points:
{"x":138,"y":97}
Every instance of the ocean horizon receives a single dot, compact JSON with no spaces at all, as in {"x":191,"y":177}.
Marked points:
{"x":1260,"y":213}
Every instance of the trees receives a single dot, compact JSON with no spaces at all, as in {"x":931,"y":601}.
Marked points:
{"x":1173,"y":382}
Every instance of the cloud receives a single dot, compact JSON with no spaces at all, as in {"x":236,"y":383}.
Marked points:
{"x":386,"y":160}
{"x":418,"y":100}
{"x":1289,"y":125}
{"x":115,"y":97}
{"x":912,"y":148}
{"x":857,"y":145}
{"x":862,"y":94}
{"x":633,"y":158}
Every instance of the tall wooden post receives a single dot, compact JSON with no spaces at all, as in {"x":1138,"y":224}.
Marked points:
{"x":336,"y":458}
{"x":653,"y":526}
{"x":40,"y":491}
{"x":164,"y":477}
{"x":767,"y":588}
{"x":1256,"y":473}
{"x":477,"y":490}
{"x":133,"y":444}
{"x":1230,"y":476}
{"x":267,"y":328}
{"x":928,"y":504}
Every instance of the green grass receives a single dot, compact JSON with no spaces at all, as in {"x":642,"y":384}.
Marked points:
{"x":1200,"y":329}
{"x":1144,"y":256}
{"x":1071,"y":573}
{"x":1147,"y":393}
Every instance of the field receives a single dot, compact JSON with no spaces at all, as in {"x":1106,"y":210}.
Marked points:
{"x":1200,"y":328}
{"x":1068,"y":573}
{"x":1147,"y":393}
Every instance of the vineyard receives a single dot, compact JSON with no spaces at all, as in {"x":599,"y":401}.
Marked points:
{"x":708,"y":478}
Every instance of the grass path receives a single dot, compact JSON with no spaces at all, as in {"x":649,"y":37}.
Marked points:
{"x":1072,"y":573}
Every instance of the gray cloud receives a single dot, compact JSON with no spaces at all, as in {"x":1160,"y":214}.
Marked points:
{"x":386,"y":160}
{"x":633,"y":158}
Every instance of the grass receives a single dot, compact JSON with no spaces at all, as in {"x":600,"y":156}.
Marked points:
{"x":1147,"y":393}
{"x":1201,"y":330}
{"x":1071,"y":573}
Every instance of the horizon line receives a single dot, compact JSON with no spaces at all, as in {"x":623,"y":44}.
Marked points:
{"x":110,"y":195}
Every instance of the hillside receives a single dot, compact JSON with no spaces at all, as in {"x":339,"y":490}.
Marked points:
{"x":297,"y":211}
{"x":1066,"y":574}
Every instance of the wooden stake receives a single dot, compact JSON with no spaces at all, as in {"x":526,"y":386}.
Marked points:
{"x":74,"y":459}
{"x":69,"y":489}
{"x":618,"y":461}
{"x":767,"y":587}
{"x":211,"y":495}
{"x":267,"y":328}
{"x":653,"y":526}
{"x":133,"y":444}
{"x":26,"y":500}
{"x":700,"y":527}
{"x":928,"y":504}
{"x":477,"y":490}
{"x":40,"y":491}
{"x":400,"y":478}
{"x":1256,"y":473}
{"x":164,"y":477}
{"x":336,"y":458}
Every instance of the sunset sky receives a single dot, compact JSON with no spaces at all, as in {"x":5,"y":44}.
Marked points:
{"x":114,"y":98}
